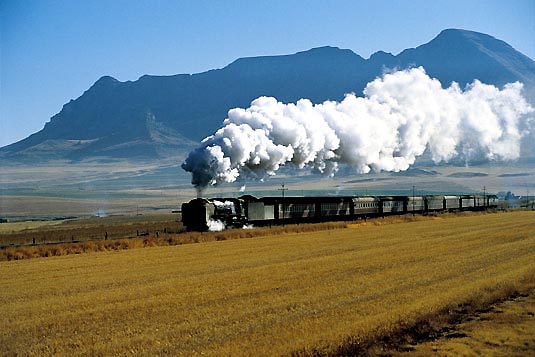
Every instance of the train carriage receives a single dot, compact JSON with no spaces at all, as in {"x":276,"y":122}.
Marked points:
{"x":393,"y":205}
{"x":260,"y":211}
{"x":480,"y":201}
{"x":366,"y":206}
{"x":451,"y":202}
{"x":335,"y":207}
{"x":296,"y":210}
{"x":435,"y":203}
{"x":257,"y":211}
{"x":467,"y":202}
{"x":415,"y":204}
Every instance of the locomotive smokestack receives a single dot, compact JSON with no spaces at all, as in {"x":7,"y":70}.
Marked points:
{"x":400,"y":116}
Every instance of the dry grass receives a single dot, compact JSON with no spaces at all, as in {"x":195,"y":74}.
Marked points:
{"x":82,"y":237}
{"x":24,"y":240}
{"x":503,"y":329}
{"x":338,"y":291}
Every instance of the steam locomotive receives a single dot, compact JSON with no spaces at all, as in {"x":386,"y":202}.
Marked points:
{"x":200,"y":213}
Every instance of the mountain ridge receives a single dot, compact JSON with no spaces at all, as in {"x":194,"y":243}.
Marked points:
{"x":115,"y":119}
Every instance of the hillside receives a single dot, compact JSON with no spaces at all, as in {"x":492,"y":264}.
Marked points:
{"x":164,"y":116}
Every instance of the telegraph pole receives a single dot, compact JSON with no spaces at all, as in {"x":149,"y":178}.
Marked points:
{"x":484,"y":196}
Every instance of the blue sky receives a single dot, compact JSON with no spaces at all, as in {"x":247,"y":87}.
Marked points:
{"x":52,"y":51}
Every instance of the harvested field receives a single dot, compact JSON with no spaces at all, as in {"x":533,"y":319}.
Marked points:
{"x":341,"y":291}
{"x":503,"y":329}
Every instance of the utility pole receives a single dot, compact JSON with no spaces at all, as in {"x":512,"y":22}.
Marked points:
{"x":283,"y":201}
{"x":484,"y":196}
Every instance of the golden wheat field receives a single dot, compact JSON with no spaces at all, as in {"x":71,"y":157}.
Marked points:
{"x":327,"y":292}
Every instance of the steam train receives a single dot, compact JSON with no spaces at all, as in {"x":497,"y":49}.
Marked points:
{"x":200,"y":213}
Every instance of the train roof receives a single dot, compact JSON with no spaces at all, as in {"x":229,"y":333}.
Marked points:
{"x":365,"y":198}
{"x":329,"y":199}
{"x":298,"y":199}
{"x":392,"y":198}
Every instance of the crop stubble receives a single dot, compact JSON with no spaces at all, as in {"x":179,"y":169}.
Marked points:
{"x":327,"y":292}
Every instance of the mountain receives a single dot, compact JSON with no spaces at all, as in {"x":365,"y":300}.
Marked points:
{"x":165,"y":116}
{"x":462,"y":56}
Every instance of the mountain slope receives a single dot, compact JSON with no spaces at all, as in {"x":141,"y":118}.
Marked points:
{"x":463,"y":56}
{"x":160,"y":116}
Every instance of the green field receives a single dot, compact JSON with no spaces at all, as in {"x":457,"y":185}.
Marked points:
{"x":336,"y":291}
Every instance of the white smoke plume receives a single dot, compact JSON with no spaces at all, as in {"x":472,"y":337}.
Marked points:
{"x":400,"y":116}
